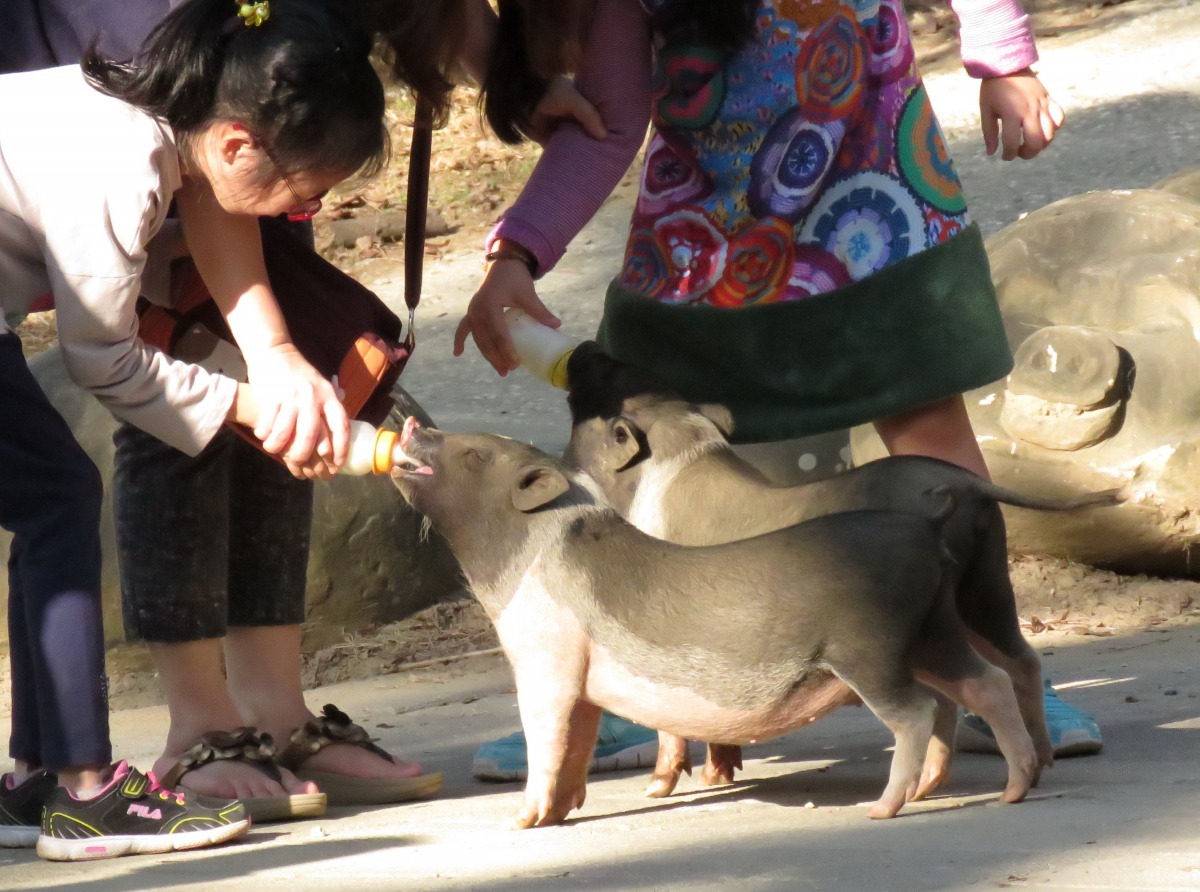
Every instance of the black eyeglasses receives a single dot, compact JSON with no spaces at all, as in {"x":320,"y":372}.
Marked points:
{"x":305,"y":208}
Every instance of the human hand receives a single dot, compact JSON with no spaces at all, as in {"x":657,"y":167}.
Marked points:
{"x":1019,"y":105}
{"x":315,"y":468}
{"x":508,"y":283}
{"x":299,"y":414}
{"x":563,"y":101}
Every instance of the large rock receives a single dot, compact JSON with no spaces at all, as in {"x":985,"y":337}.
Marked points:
{"x":1101,"y":301}
{"x":370,"y":561}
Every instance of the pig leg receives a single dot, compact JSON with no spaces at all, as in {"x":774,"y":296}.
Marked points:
{"x":908,"y":710}
{"x":1025,"y":671}
{"x":582,"y":730}
{"x":548,"y":653}
{"x":889,"y":690}
{"x":560,"y":739}
{"x":944,"y":660}
{"x":940,"y":753}
{"x":990,"y":695}
{"x":673,"y":760}
{"x":723,"y":759}
{"x":988,"y":607}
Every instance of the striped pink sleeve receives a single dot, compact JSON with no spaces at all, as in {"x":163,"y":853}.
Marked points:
{"x":576,"y":172}
{"x":995,"y":35}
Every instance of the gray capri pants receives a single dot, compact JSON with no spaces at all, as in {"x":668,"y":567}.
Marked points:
{"x":207,"y":543}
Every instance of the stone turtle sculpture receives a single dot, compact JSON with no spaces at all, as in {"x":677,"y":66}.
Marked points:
{"x":1101,"y":300}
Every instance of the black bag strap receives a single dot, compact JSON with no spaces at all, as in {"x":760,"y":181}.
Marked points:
{"x":414,"y":214}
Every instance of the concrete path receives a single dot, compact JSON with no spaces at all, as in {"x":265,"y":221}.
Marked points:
{"x":1124,"y":820}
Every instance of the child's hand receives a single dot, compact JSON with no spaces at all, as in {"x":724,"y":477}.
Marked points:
{"x":299,"y":414}
{"x":316,"y":468}
{"x":1019,"y":105}
{"x":508,"y":283}
{"x":564,"y":102}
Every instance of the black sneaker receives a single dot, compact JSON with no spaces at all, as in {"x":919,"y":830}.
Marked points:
{"x":21,"y":809}
{"x":133,"y":815}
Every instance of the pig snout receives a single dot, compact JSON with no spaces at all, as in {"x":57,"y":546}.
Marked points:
{"x":417,"y":448}
{"x":598,"y":384}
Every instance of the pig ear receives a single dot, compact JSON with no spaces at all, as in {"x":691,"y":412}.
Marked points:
{"x":629,"y":442}
{"x":537,"y":486}
{"x":718,"y":415}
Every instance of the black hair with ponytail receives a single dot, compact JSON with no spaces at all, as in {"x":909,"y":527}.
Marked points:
{"x":302,"y":81}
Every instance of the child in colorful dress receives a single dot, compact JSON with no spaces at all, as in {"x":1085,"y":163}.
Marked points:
{"x":800,"y":250}
{"x":234,"y":111}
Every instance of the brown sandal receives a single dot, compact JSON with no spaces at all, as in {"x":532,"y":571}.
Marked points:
{"x":244,"y":745}
{"x":334,"y":726}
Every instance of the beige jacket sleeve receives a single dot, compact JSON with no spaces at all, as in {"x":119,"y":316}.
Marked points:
{"x":96,"y":217}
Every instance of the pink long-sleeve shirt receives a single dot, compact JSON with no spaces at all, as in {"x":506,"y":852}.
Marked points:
{"x":576,"y":173}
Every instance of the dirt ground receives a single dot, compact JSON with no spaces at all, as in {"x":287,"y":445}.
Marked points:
{"x":474,"y":177}
{"x":1061,"y":603}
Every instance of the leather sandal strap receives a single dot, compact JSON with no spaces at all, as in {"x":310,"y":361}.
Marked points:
{"x":238,"y":745}
{"x":332,"y":726}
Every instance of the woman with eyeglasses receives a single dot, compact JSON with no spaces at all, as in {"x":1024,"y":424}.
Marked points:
{"x":230,"y":111}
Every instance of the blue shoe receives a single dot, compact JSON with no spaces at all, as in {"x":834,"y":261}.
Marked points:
{"x":1072,"y":731}
{"x":621,"y":745}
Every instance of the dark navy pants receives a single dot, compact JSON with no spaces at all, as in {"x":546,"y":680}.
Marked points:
{"x":50,"y":491}
{"x":50,"y":495}
{"x":45,"y":33}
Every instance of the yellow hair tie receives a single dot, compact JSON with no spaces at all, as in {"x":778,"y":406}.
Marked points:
{"x":254,"y":14}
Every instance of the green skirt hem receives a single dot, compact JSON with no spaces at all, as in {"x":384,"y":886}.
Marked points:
{"x":921,"y":330}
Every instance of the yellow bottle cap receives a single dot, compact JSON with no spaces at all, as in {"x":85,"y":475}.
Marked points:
{"x":558,"y":371}
{"x":385,"y":442}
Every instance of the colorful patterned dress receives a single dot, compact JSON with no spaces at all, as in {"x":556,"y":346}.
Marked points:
{"x":801,"y":249}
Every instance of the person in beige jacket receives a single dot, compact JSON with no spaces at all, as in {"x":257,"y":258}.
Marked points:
{"x":235,"y":111}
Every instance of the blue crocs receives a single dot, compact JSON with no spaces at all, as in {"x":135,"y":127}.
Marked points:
{"x":621,"y":745}
{"x":1072,"y":731}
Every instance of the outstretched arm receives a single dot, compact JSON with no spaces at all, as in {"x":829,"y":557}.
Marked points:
{"x":295,"y":410}
{"x":572,"y":179}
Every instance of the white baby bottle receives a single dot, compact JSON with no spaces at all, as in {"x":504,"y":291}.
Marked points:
{"x":544,"y":351}
{"x":372,"y":450}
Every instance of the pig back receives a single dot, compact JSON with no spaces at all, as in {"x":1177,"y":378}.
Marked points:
{"x":706,"y":505}
{"x":774,"y":604}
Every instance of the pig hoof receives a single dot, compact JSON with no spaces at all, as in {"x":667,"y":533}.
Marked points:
{"x":522,"y":822}
{"x":932,"y":777}
{"x":716,"y":776}
{"x":881,"y":809}
{"x":662,"y":785}
{"x":1018,"y":787}
{"x":526,"y":820}
{"x":723,"y":760}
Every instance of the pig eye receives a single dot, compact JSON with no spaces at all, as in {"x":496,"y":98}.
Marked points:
{"x":478,"y":457}
{"x":621,"y":432}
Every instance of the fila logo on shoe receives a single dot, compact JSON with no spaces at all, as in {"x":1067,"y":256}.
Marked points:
{"x":144,"y":811}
